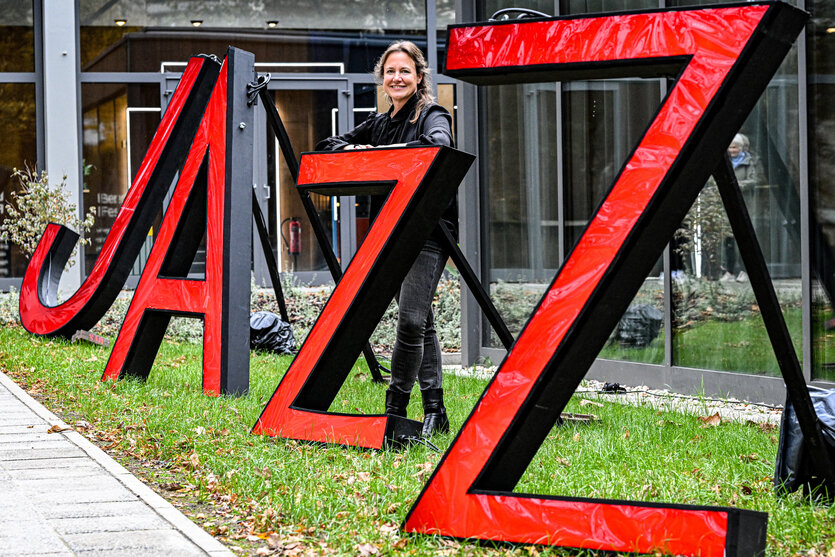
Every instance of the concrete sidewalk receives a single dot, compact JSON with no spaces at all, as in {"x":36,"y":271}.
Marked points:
{"x":62,"y":495}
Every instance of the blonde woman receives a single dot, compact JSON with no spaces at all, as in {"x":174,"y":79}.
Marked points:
{"x":413,"y":119}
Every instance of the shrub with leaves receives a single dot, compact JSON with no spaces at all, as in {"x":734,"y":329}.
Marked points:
{"x":34,"y":205}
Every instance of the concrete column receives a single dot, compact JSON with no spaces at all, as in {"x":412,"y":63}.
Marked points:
{"x":61,"y":110}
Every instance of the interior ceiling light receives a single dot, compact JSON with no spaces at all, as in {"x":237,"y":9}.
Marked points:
{"x":830,"y":29}
{"x":120,"y":22}
{"x":272,"y":24}
{"x":197,"y":22}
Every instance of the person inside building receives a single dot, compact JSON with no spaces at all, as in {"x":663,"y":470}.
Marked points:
{"x":748,"y":175}
{"x":413,"y":119}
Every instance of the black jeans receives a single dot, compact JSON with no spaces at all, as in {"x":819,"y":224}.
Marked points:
{"x":417,"y":352}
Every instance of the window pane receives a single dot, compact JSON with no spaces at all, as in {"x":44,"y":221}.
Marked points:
{"x":820,"y":43}
{"x":309,"y":116}
{"x":155,"y":31}
{"x":602,"y":123}
{"x":717,"y":322}
{"x":17,"y":43}
{"x":17,"y":127}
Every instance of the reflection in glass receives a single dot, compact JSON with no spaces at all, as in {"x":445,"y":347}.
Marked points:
{"x":347,"y":35}
{"x":17,"y":127}
{"x":527,"y":219}
{"x":820,"y":44}
{"x":118,"y":123}
{"x":717,"y":323}
{"x":17,"y":42}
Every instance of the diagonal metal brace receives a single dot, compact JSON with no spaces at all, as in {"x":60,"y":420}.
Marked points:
{"x":755,"y":265}
{"x":277,"y":126}
{"x":272,"y":267}
{"x":475,"y":286}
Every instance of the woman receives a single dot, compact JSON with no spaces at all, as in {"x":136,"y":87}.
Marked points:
{"x":413,"y":119}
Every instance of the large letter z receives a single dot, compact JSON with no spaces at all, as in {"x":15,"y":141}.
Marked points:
{"x":422,"y":180}
{"x":723,"y":59}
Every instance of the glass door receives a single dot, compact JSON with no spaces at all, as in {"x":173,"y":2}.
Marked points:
{"x":311,"y":109}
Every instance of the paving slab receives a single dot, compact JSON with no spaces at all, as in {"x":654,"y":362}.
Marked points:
{"x":62,"y":495}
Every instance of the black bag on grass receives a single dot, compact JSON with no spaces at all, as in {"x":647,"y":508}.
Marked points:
{"x":792,"y":469}
{"x":268,"y":332}
{"x":639,"y":326}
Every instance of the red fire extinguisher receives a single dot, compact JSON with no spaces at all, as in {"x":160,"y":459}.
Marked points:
{"x":295,"y":246}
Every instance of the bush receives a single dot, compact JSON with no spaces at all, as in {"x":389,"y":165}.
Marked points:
{"x":35,"y":205}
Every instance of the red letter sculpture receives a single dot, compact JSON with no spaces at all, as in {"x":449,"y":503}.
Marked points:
{"x":723,"y":59}
{"x":214,"y":136}
{"x":422,"y":181}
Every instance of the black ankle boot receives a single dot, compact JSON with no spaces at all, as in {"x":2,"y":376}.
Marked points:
{"x":396,"y":403}
{"x":434,"y":413}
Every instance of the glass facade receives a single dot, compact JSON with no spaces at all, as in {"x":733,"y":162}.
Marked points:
{"x":145,"y":36}
{"x":547,"y":154}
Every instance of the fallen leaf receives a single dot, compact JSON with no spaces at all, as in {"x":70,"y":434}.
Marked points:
{"x":563,"y":461}
{"x":711,"y":421}
{"x":576,"y":437}
{"x":746,"y":490}
{"x":626,"y":435}
{"x":587,"y":402}
{"x":194,"y":459}
{"x":366,"y":549}
{"x":57,"y":429}
{"x":274,"y":541}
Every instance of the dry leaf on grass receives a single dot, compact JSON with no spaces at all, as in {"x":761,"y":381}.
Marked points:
{"x":711,"y":421}
{"x":365,"y":549}
{"x":587,"y":402}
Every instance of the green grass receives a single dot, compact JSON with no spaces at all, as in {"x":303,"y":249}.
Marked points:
{"x":198,"y":451}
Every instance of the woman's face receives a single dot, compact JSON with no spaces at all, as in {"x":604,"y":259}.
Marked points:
{"x":734,"y":149}
{"x":400,"y":80}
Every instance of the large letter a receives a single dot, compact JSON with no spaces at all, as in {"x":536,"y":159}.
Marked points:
{"x":212,"y":196}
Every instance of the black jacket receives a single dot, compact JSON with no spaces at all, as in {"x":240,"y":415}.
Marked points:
{"x":433,"y":127}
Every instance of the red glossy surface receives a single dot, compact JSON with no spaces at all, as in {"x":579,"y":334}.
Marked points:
{"x":188,"y":295}
{"x":407,"y":167}
{"x":41,"y":319}
{"x":714,"y":39}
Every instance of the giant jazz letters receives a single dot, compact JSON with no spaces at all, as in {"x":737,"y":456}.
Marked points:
{"x":723,"y":59}
{"x":205,"y":136}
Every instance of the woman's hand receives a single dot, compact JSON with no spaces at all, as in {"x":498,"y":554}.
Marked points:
{"x":351,"y":147}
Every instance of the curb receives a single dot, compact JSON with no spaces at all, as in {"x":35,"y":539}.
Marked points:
{"x":163,"y":508}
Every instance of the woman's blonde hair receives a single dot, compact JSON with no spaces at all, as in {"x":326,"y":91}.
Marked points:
{"x":424,"y":88}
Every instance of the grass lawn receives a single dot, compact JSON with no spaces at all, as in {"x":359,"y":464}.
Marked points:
{"x":252,"y":491}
